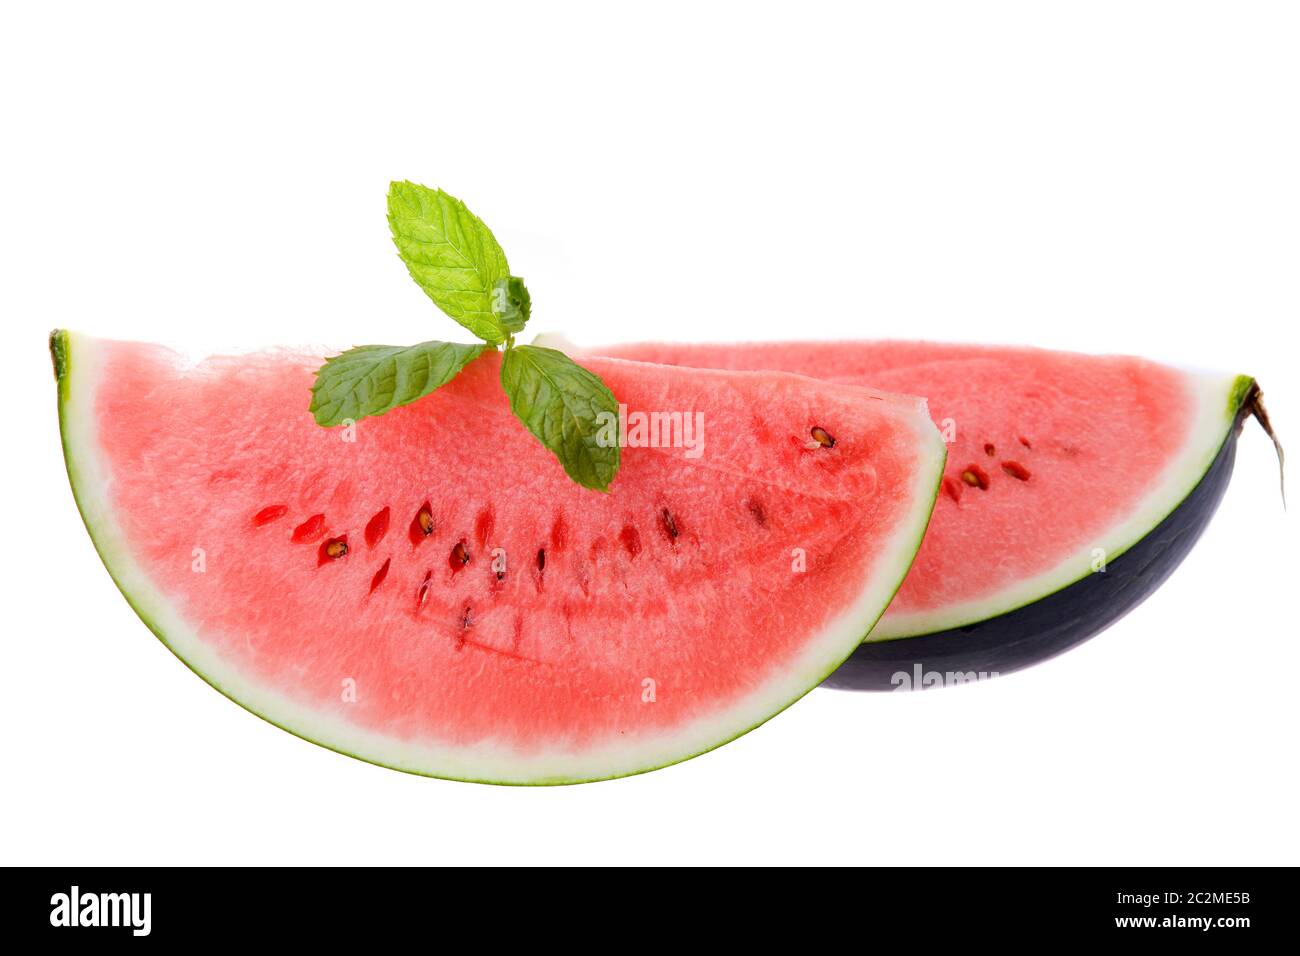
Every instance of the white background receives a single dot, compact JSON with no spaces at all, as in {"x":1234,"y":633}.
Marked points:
{"x":1106,"y":177}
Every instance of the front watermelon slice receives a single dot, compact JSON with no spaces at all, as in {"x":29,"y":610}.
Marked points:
{"x":1074,"y":485}
{"x":436,"y":596}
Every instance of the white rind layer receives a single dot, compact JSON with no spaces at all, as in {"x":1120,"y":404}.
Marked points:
{"x":92,"y":484}
{"x":1212,"y":422}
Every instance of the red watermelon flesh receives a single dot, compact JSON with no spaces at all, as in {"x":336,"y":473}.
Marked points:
{"x":353,"y":591}
{"x":1057,"y":462}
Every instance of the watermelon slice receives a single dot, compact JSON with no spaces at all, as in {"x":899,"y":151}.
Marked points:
{"x":435,"y":595}
{"x":1075,"y":484}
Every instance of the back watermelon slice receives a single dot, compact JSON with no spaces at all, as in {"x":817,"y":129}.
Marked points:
{"x":1074,"y":485}
{"x":435,"y":595}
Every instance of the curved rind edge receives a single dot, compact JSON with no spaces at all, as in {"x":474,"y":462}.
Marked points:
{"x":907,"y":541}
{"x":1015,"y":640}
{"x":1221,"y":408}
{"x":1051,"y":626}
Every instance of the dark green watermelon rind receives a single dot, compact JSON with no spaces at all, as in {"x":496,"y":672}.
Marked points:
{"x":63,"y":360}
{"x":1064,"y":618}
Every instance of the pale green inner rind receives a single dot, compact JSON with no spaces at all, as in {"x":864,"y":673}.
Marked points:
{"x":76,"y":361}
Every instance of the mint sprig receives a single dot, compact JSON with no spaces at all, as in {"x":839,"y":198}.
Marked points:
{"x":459,"y":264}
{"x":450,"y":254}
{"x":559,"y":401}
{"x":511,"y":303}
{"x":373,"y":379}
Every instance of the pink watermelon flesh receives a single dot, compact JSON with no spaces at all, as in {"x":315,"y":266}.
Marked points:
{"x":347,"y":590}
{"x":1057,"y":461}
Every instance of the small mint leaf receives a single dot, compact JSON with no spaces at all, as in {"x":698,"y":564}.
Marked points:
{"x":450,"y":254}
{"x":559,"y":401}
{"x":371,"y":379}
{"x":511,"y":303}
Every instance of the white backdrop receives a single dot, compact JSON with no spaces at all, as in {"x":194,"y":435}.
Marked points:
{"x":1103,"y":176}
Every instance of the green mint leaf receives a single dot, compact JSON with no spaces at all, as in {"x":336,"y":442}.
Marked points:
{"x":371,"y":379}
{"x":511,"y":303}
{"x":559,"y":401}
{"x":450,"y":254}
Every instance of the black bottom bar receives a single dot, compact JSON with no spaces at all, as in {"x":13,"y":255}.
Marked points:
{"x":1170,"y":906}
